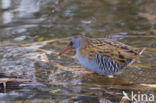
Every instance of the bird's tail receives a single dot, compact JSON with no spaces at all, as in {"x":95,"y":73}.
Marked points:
{"x":141,"y":51}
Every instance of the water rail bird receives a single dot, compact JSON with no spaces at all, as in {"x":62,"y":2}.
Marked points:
{"x":101,"y":55}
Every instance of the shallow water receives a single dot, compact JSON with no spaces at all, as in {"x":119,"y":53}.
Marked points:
{"x":33,"y":32}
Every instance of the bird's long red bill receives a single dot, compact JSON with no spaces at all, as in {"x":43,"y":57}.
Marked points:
{"x":66,"y":49}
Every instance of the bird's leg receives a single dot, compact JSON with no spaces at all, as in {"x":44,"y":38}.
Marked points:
{"x":84,"y":70}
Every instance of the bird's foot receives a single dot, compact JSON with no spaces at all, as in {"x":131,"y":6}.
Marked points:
{"x":84,"y":70}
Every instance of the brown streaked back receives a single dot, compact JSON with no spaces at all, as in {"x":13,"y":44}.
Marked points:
{"x":119,"y":52}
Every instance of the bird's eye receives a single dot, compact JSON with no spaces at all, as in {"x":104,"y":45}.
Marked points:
{"x":71,"y":43}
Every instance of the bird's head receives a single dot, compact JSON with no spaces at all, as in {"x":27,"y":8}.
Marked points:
{"x":75,"y":43}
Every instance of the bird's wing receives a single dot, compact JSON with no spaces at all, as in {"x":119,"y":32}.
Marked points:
{"x":118,"y":52}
